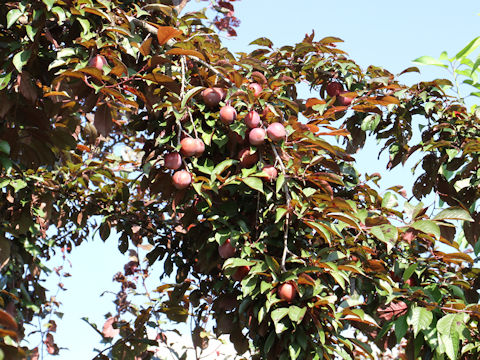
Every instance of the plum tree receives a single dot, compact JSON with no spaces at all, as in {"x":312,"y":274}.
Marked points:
{"x":323,"y":256}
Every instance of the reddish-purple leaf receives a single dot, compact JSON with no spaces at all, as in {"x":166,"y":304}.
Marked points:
{"x":103,"y":119}
{"x":392,"y":310}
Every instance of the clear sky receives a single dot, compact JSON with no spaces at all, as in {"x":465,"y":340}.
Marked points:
{"x":384,"y":33}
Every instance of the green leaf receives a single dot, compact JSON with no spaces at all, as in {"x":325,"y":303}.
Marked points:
{"x":296,"y":313}
{"x":254,"y":182}
{"x":4,"y":147}
{"x":57,"y":10}
{"x":370,"y":122}
{"x":279,"y":314}
{"x":273,"y":264}
{"x":419,"y":318}
{"x":338,"y":278}
{"x":409,"y":271}
{"x":279,"y":214}
{"x":472,"y":45}
{"x":401,"y":327}
{"x":31,"y":32}
{"x":12,"y":17}
{"x":248,"y":286}
{"x":190,"y":93}
{"x":449,"y":345}
{"x":18,"y":184}
{"x":49,"y":4}
{"x":4,"y":80}
{"x":453,"y":213}
{"x":427,"y":227}
{"x":280,"y":181}
{"x":389,"y":201}
{"x":450,"y":324}
{"x":85,"y":26}
{"x":386,"y":233}
{"x":222,"y":167}
{"x":294,"y":350}
{"x":269,"y":342}
{"x":263,"y":41}
{"x":428,"y":60}
{"x":476,"y":65}
{"x":20,"y":59}
{"x":236,"y":262}
{"x":321,"y":229}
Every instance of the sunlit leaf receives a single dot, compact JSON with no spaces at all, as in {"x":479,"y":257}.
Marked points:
{"x":428,"y":60}
{"x":178,"y":51}
{"x":427,"y":227}
{"x":254,"y":182}
{"x":165,"y":33}
{"x":453,"y":214}
{"x":419,"y":318}
{"x":471,"y":46}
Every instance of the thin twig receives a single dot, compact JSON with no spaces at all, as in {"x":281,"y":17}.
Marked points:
{"x":287,"y":217}
{"x":153,"y":30}
{"x":218,"y":73}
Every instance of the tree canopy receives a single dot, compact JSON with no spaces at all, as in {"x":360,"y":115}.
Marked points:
{"x":131,"y":116}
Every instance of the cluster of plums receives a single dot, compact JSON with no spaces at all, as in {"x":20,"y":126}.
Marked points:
{"x":286,"y":291}
{"x":257,"y":136}
{"x":336,"y":89}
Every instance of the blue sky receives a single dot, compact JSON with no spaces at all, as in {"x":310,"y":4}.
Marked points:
{"x":388,"y":34}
